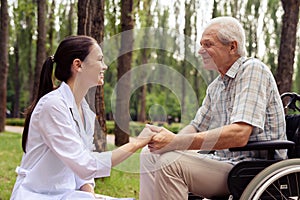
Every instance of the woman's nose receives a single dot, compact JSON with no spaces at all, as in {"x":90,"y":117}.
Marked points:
{"x":104,"y":66}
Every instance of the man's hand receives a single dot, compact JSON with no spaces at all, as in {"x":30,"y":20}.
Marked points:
{"x":162,"y":141}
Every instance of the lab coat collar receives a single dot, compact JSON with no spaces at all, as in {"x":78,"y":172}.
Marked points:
{"x":67,"y":94}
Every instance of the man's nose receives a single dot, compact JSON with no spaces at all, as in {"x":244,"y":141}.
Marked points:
{"x":201,"y":50}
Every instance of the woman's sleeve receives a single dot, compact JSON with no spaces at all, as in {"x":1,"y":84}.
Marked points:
{"x":59,"y":135}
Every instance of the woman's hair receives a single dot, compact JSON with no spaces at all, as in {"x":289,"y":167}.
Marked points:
{"x":69,"y":49}
{"x":229,"y":29}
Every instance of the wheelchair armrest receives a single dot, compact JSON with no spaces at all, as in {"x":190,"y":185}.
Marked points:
{"x":271,"y":146}
{"x":265,"y":145}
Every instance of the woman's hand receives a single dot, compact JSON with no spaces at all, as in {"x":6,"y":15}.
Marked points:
{"x":87,"y":188}
{"x":144,"y":137}
{"x":162,"y":141}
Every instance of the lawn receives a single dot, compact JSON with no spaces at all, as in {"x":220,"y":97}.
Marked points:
{"x":123,"y":182}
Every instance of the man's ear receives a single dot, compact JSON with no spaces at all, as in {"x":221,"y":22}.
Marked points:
{"x":77,"y":64}
{"x":233,"y":47}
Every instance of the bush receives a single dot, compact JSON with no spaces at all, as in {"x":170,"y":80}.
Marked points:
{"x":15,"y":121}
{"x":134,"y":127}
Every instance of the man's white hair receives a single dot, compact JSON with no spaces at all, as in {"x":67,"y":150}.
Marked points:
{"x":229,"y":29}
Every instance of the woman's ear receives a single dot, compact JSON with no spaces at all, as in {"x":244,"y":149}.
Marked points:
{"x":76,"y":65}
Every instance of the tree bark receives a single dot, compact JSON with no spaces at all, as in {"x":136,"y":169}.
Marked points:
{"x":3,"y":61}
{"x":97,"y":22}
{"x":144,"y":56}
{"x":124,"y":64}
{"x":41,"y":46}
{"x":16,"y":78}
{"x":285,"y":70}
{"x":91,"y":22}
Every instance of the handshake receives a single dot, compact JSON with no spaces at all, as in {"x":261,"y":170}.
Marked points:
{"x":161,"y":140}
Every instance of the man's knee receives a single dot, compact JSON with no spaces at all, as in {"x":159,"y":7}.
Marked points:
{"x":167,"y":159}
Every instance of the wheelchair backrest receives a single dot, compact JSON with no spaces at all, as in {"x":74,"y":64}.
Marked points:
{"x":292,"y":122}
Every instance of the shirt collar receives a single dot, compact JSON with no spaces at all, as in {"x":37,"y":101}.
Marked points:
{"x":235,"y":67}
{"x":67,"y":94}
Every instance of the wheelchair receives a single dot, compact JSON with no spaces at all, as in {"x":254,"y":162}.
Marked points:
{"x":269,"y":179}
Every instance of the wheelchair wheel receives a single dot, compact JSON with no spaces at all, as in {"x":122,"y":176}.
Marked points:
{"x":278,"y":181}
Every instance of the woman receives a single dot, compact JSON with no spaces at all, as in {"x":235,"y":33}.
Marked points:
{"x":58,"y":162}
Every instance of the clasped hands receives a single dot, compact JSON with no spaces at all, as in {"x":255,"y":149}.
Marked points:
{"x":159,"y":139}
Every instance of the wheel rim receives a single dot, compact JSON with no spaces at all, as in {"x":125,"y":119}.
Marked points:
{"x":267,"y":181}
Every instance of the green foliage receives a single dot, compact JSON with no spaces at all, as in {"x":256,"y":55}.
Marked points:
{"x":296,"y":85}
{"x":15,"y":121}
{"x":147,"y":13}
{"x":137,"y":127}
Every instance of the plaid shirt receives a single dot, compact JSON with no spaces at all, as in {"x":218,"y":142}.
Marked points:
{"x":247,"y":93}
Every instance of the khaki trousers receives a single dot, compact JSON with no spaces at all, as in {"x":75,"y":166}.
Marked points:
{"x":173,"y":174}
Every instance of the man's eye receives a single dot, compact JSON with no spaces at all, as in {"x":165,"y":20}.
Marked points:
{"x":206,"y":45}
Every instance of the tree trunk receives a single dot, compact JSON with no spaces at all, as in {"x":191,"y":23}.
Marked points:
{"x":3,"y":61}
{"x":145,"y":54}
{"x":285,"y":70}
{"x":97,"y":22}
{"x":124,"y":64}
{"x":91,"y":22}
{"x":70,"y":19}
{"x":29,"y":58}
{"x":187,"y":33}
{"x":41,"y":46}
{"x":51,"y":28}
{"x":82,"y":17}
{"x":16,"y":78}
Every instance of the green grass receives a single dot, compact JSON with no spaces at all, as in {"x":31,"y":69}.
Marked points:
{"x":123,"y":182}
{"x":10,"y":157}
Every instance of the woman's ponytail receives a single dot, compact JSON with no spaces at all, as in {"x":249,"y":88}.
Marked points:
{"x":45,"y":86}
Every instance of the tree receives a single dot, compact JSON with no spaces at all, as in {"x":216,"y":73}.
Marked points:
{"x":187,"y":33}
{"x":41,"y":45}
{"x":124,"y":65}
{"x":146,"y":20}
{"x":285,"y":70}
{"x":98,"y":33}
{"x":3,"y":61}
{"x":91,"y":22}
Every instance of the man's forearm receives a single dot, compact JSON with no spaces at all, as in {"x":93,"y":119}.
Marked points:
{"x":188,"y":129}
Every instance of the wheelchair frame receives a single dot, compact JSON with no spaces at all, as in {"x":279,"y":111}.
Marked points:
{"x":266,"y":179}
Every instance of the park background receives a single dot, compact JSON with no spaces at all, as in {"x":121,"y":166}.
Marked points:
{"x":155,"y":74}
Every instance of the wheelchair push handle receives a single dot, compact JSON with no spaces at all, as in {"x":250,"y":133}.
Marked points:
{"x":294,"y":97}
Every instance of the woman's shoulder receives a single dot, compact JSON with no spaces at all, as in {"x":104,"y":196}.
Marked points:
{"x":52,"y":100}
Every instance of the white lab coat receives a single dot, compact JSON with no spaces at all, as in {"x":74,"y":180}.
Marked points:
{"x":59,"y":157}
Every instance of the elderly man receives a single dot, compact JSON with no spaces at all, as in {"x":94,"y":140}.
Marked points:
{"x":242,"y":104}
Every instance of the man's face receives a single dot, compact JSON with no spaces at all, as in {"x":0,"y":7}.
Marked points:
{"x":212,"y":50}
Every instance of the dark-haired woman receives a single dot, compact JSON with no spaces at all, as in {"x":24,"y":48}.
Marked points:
{"x":58,"y":162}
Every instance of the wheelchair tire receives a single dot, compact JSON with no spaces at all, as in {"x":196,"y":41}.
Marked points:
{"x":278,"y":181}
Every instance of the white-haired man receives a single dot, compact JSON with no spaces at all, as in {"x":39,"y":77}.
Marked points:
{"x":242,"y":104}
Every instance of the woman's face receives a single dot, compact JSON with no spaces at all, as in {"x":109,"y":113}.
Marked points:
{"x":93,"y":66}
